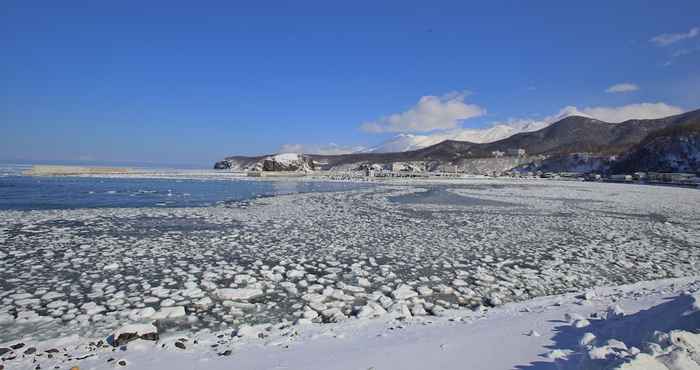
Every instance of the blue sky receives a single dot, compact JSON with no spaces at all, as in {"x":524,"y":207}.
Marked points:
{"x":186,"y":82}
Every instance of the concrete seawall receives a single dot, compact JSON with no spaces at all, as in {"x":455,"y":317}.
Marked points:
{"x":47,"y":170}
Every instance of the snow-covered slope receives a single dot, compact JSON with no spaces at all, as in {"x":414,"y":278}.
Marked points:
{"x":676,"y":149}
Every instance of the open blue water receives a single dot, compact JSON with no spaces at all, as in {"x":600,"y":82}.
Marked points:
{"x":30,"y":193}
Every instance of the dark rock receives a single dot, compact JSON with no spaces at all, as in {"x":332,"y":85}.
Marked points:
{"x":125,"y":338}
{"x":225,"y":353}
{"x":121,"y":363}
{"x":4,"y":350}
{"x":128,"y":336}
{"x":17,"y":346}
{"x":30,"y":351}
{"x":180,"y":345}
{"x":222,"y":165}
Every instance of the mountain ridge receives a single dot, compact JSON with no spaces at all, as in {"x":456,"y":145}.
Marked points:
{"x":572,"y":134}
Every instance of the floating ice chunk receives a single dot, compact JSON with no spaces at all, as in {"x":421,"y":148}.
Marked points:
{"x":111,"y":267}
{"x":333,"y":315}
{"x":418,"y":310}
{"x":28,"y":302}
{"x":92,"y":308}
{"x":18,"y":296}
{"x":208,"y":285}
{"x":56,"y":304}
{"x":400,"y":309}
{"x":289,"y":287}
{"x":52,"y":295}
{"x":314,"y":298}
{"x":168,"y":313}
{"x":444,"y":289}
{"x":160,"y":292}
{"x":586,"y":339}
{"x":140,"y":314}
{"x":371,"y":309}
{"x":363,"y":282}
{"x":6,"y":318}
{"x":193,"y":293}
{"x":424,"y":291}
{"x":558,"y":353}
{"x":643,"y":361}
{"x":459,"y":282}
{"x":240,"y":294}
{"x":404,"y":292}
{"x":351,"y":288}
{"x":203,"y":303}
{"x":295,"y":274}
{"x":243,"y":278}
{"x":385,"y":301}
{"x":30,"y":317}
{"x":685,"y":340}
{"x":310,"y":314}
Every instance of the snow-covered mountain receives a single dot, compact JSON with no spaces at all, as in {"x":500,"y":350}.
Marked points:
{"x":496,"y":132}
{"x":406,"y":142}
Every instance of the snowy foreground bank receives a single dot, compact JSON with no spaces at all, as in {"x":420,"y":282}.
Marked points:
{"x":648,"y":325}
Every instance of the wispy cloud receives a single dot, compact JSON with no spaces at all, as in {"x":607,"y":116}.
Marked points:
{"x":622,"y":88}
{"x":430,"y":113}
{"x":672,"y":38}
{"x":632,"y":111}
{"x":680,"y":53}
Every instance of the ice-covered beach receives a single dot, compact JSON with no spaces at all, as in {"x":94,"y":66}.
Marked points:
{"x":290,"y":281}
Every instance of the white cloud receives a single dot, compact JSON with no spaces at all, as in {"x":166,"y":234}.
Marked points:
{"x":622,"y":88}
{"x":632,"y":111}
{"x":430,"y":113}
{"x":608,"y":114}
{"x":328,"y":149}
{"x":672,"y":38}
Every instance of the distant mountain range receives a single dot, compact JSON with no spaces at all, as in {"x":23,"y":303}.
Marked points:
{"x":408,"y":142}
{"x":586,"y":142}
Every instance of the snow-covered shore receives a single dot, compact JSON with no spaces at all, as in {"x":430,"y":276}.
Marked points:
{"x":596,"y":329}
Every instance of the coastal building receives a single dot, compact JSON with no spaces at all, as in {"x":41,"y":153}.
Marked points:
{"x":621,"y":177}
{"x":516,"y":152}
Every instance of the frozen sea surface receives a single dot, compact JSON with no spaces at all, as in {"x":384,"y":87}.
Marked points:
{"x":440,"y":195}
{"x":333,"y":256}
{"x":27,"y":193}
